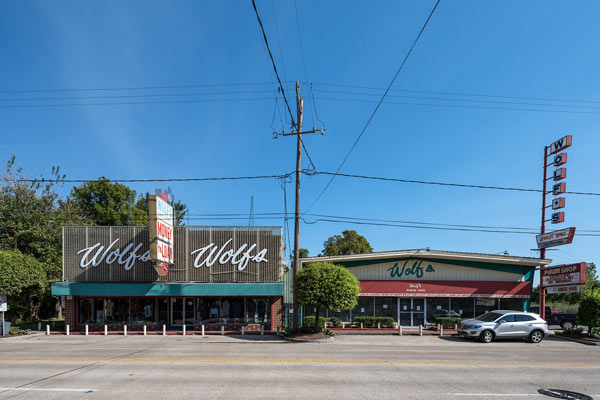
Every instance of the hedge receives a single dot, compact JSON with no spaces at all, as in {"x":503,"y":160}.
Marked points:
{"x":449,"y":322}
{"x":332,"y":322}
{"x":371,"y":322}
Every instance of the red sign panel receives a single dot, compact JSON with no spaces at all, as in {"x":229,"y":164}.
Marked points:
{"x":571,"y":274}
{"x":556,"y":238}
{"x":560,"y":173}
{"x":560,"y":144}
{"x":559,"y":188}
{"x":445,"y":289}
{"x":558,"y":217}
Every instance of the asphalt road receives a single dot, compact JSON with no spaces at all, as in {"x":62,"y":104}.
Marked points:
{"x":352,"y":367}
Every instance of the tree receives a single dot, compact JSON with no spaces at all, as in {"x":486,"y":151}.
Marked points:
{"x":350,"y":242}
{"x":326,"y":285}
{"x":589,"y":311}
{"x":303,"y":253}
{"x":179,"y":209}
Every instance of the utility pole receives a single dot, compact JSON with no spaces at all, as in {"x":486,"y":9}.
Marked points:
{"x":542,"y":231}
{"x":296,"y":262}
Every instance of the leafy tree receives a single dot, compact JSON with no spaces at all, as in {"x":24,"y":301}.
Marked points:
{"x":328,"y":286}
{"x":179,"y":209}
{"x":350,"y":242}
{"x":21,"y":279}
{"x":589,"y":311}
{"x":303,"y":253}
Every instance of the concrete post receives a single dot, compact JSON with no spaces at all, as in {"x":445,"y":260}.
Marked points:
{"x":203,"y":330}
{"x":124,"y":330}
{"x":456,"y":327}
{"x":105,"y":330}
{"x":262,"y":330}
{"x":399,"y":330}
{"x":343,"y":325}
{"x":87,"y":329}
{"x":39,"y":326}
{"x":144,"y":330}
{"x":222,"y":330}
{"x":379,"y":325}
{"x":242,"y":330}
{"x":361,"y":325}
{"x":183,"y":330}
{"x":164,"y":330}
{"x":67,"y":329}
{"x":47,"y":329}
{"x":420,"y":330}
{"x":441,"y":330}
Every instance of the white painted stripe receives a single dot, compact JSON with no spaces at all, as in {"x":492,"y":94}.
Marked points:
{"x":48,"y":389}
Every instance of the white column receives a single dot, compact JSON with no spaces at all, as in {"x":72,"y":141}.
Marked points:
{"x":202,"y":329}
{"x":47,"y":329}
{"x":87,"y":329}
{"x":164,"y":330}
{"x":183,"y":330}
{"x":124,"y":330}
{"x":222,"y":330}
{"x":144,"y":329}
{"x":242,"y":330}
{"x":399,"y":330}
{"x":105,"y":330}
{"x":67,"y":328}
{"x":420,"y":330}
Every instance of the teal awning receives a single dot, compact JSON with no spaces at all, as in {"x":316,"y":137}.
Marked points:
{"x":167,"y":289}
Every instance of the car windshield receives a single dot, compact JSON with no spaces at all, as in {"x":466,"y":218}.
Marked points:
{"x":489,"y":317}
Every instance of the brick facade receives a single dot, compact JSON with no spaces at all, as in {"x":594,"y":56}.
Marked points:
{"x":276,"y":313}
{"x":70,"y":315}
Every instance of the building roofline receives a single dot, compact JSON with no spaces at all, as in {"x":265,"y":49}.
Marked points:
{"x":439,"y":254}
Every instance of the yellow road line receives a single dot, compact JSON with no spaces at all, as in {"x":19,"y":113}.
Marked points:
{"x":298,"y":361}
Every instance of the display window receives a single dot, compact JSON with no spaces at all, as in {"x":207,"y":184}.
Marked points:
{"x":117,"y":310}
{"x":386,"y":307}
{"x":462,"y":306}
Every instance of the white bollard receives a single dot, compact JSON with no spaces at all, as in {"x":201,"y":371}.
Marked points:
{"x":202,"y":330}
{"x":47,"y":329}
{"x":87,"y":330}
{"x":262,"y":330}
{"x":399,"y":330}
{"x":222,"y":330}
{"x":39,"y":326}
{"x":456,"y":327}
{"x":105,"y":330}
{"x":67,"y":330}
{"x":420,"y":330}
{"x":164,"y":330}
{"x":343,"y":325}
{"x":183,"y":330}
{"x":242,"y":330}
{"x":379,"y":325}
{"x":144,"y":330}
{"x":441,"y":330}
{"x":361,"y":325}
{"x":124,"y":330}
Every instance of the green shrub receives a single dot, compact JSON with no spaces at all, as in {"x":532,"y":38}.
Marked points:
{"x":332,"y":322}
{"x":571,"y":330}
{"x":371,"y":322}
{"x":595,"y":333}
{"x":449,"y":322}
{"x":589,"y":312}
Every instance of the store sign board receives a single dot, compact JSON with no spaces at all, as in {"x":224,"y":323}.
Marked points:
{"x":3,"y":304}
{"x":560,"y":144}
{"x":563,"y":289}
{"x":570,"y":274}
{"x":161,"y":233}
{"x":556,"y":238}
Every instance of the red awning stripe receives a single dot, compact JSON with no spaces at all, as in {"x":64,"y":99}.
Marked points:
{"x":495,"y":289}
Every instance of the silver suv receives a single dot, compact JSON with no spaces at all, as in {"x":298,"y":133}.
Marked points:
{"x":500,"y":324}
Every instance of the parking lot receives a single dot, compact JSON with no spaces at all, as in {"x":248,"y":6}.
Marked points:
{"x":353,"y":366}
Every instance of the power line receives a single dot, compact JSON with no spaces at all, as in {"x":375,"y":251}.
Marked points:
{"x":378,"y":105}
{"x":444,"y":183}
{"x":273,"y":62}
{"x":280,"y":176}
{"x":132,"y":102}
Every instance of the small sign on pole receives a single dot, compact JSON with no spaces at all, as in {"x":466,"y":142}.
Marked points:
{"x":3,"y":308}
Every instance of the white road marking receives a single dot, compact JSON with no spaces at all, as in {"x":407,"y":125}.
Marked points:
{"x":48,"y":389}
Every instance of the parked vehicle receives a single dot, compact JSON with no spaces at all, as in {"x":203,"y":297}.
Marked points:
{"x":501,"y":324}
{"x":565,"y":320}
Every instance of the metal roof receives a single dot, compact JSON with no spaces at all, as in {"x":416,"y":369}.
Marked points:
{"x":438,"y":254}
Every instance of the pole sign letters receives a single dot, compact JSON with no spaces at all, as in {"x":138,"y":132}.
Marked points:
{"x":563,"y":289}
{"x":563,"y":275}
{"x":556,"y":238}
{"x":161,"y":232}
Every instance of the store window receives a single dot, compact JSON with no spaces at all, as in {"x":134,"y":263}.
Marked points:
{"x":463,"y":306}
{"x":163,"y":311}
{"x":142,"y":311}
{"x":364,"y":308}
{"x":386,"y":307}
{"x":438,"y":307}
{"x":258,"y":311}
{"x":485,"y":305}
{"x":342,"y":315}
{"x":511,"y":304}
{"x":91,"y":311}
{"x":117,"y":310}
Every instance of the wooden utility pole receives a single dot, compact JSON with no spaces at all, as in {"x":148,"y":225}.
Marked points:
{"x":297,"y":130}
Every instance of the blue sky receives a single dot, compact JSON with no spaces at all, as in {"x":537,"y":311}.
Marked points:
{"x":535,"y":49}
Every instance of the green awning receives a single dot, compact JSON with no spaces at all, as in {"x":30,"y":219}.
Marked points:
{"x":167,"y":289}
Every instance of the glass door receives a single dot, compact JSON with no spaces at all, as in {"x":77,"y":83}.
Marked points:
{"x":177,"y":307}
{"x":418,"y":312}
{"x":405,"y":312}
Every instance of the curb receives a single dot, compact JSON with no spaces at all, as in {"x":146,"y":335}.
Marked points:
{"x":324,"y":340}
{"x":586,"y":342}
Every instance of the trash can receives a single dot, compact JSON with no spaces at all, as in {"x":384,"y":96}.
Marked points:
{"x":6,"y":326}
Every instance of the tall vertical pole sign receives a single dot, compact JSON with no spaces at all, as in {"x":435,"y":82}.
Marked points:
{"x":559,"y":187}
{"x":161,"y":232}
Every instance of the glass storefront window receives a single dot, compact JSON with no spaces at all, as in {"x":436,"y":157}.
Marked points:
{"x":117,"y":310}
{"x":484,"y":305}
{"x":364,"y":308}
{"x":463,"y":306}
{"x":437,"y":307}
{"x":163,"y":311}
{"x":142,"y":310}
{"x":342,"y":315}
{"x":511,"y":304}
{"x":91,"y":311}
{"x":386,"y":307}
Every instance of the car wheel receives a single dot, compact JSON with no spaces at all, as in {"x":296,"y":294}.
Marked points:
{"x":536,"y":336}
{"x":486,"y":336}
{"x":567,"y":325}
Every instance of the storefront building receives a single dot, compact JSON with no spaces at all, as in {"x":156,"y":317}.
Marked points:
{"x":414,"y":287}
{"x":220,"y":277}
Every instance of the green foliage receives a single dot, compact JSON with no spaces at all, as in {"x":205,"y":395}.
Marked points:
{"x":332,"y":322}
{"x":589,"y":311}
{"x":568,"y":331}
{"x":371,"y":322}
{"x":179,"y":209}
{"x":349,"y":242}
{"x":448,"y":322}
{"x":592,"y":283}
{"x":303,"y":253}
{"x":327,"y":286}
{"x":14,"y":330}
{"x":595,"y":333}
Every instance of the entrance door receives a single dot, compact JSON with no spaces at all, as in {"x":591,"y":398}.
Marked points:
{"x":412,"y":312}
{"x":182,"y":309}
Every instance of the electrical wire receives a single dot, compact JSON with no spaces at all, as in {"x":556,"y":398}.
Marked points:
{"x":302,"y":53}
{"x":156,"y":179}
{"x":135,"y":96}
{"x":132,"y":102}
{"x":376,"y":107}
